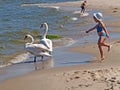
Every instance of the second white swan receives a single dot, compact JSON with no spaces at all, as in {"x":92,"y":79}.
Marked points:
{"x":36,"y":49}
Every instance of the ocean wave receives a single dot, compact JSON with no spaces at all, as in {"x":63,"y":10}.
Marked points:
{"x":55,"y":7}
{"x":20,"y":58}
{"x":43,"y":6}
{"x":4,"y":64}
{"x":63,"y":42}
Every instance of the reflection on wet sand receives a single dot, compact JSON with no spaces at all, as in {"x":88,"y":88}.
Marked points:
{"x":44,"y":64}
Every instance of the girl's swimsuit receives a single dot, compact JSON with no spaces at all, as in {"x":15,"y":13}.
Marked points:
{"x":83,"y":6}
{"x":100,"y":29}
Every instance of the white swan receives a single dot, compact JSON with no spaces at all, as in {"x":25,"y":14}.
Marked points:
{"x":36,"y":49}
{"x":45,"y":41}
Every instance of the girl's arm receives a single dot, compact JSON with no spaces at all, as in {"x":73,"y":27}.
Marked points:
{"x":105,"y":29}
{"x":91,"y":29}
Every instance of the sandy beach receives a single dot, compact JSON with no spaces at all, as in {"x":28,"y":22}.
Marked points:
{"x":92,"y":76}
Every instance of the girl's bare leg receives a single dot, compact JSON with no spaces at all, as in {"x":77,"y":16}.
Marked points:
{"x":101,"y":52}
{"x":109,"y":47}
{"x":101,"y":42}
{"x":105,"y":44}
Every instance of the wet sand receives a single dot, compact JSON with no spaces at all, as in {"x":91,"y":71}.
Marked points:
{"x":92,"y":76}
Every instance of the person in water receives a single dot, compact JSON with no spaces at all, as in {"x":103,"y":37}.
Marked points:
{"x":102,"y":33}
{"x":83,"y":6}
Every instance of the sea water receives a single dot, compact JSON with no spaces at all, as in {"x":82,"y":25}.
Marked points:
{"x":25,"y":16}
{"x":21,"y":17}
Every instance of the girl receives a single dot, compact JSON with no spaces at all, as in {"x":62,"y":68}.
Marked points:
{"x":102,"y":33}
{"x":83,"y":6}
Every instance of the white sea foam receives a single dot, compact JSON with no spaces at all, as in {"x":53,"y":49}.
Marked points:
{"x":63,"y":42}
{"x":20,"y":58}
{"x":74,"y":18}
{"x":55,"y":7}
{"x":4,"y":65}
{"x":43,"y":6}
{"x":81,"y":14}
{"x":77,"y":12}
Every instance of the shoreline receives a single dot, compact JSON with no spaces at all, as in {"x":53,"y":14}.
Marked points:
{"x":57,"y":43}
{"x":92,"y":76}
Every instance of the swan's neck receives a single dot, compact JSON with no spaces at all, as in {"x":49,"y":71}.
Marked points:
{"x":32,"y":39}
{"x":46,"y":30}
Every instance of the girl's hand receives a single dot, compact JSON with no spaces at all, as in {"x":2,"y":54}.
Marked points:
{"x":108,"y":35}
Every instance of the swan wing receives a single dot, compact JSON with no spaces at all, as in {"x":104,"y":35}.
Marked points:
{"x":45,"y":54}
{"x":41,"y":47}
{"x":47,"y":43}
{"x":37,"y":49}
{"x":31,"y":49}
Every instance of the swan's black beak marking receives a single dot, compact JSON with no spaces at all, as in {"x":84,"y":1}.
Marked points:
{"x":25,"y":37}
{"x":41,"y":25}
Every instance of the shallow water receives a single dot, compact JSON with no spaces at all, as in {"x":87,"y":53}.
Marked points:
{"x":22,"y":17}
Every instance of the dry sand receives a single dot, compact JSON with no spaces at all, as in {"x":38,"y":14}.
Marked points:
{"x":93,"y":76}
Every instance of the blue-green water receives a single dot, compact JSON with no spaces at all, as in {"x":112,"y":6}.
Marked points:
{"x":19,"y":17}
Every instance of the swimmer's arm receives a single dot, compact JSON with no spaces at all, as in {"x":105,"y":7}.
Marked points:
{"x":91,"y":29}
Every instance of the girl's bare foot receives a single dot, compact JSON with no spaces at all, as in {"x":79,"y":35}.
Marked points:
{"x":109,"y":48}
{"x":101,"y":59}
